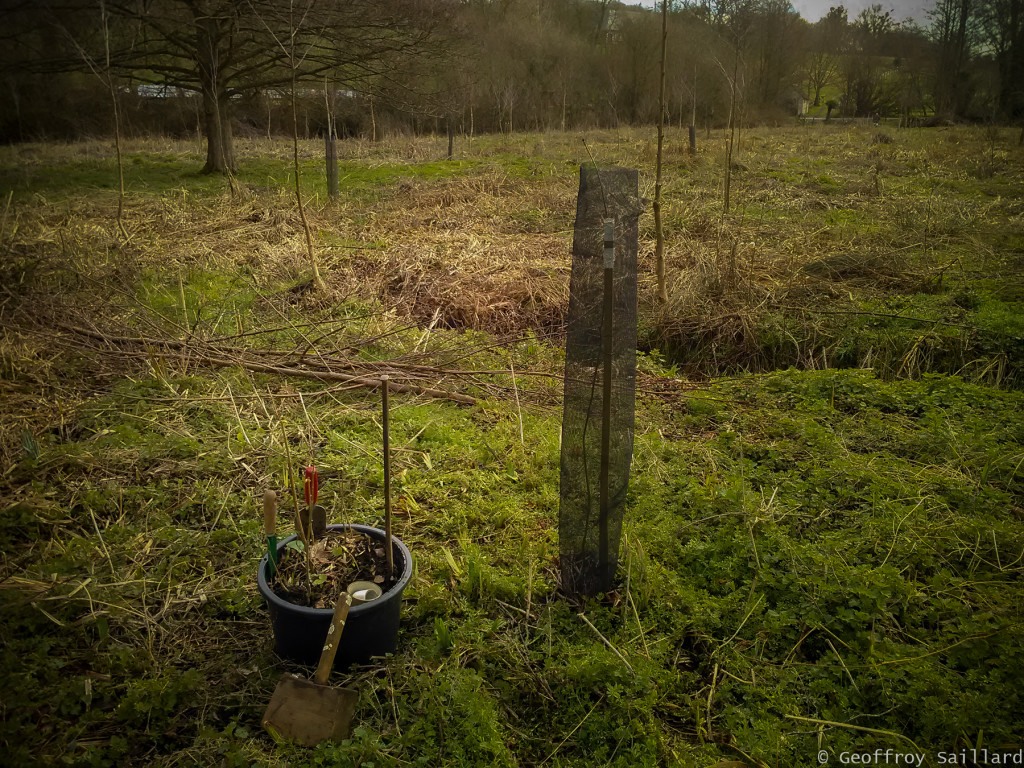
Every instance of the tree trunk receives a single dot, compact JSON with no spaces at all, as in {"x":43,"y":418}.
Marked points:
{"x":220,"y":150}
{"x":220,"y":153}
{"x":331,"y":152}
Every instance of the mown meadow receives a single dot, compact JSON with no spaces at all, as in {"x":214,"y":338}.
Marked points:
{"x":824,"y":539}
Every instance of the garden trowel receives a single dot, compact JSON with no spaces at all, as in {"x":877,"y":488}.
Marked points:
{"x":315,"y":518}
{"x":308,"y":712}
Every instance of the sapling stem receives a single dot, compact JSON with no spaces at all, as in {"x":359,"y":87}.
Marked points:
{"x":387,"y":476}
{"x":290,"y":479}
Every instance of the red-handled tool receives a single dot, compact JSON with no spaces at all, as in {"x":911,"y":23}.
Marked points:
{"x":311,"y":485}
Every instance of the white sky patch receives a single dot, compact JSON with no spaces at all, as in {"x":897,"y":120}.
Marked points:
{"x":812,"y":10}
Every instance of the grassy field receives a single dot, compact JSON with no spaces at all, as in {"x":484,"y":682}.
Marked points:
{"x":824,"y":542}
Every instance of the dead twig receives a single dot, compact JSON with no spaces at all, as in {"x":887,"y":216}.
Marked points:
{"x":151,"y":347}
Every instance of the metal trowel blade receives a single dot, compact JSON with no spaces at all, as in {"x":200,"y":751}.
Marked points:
{"x":306,"y":713}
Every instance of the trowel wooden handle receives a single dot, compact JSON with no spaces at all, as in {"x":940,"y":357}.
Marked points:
{"x":323,"y":669}
{"x":270,"y":513}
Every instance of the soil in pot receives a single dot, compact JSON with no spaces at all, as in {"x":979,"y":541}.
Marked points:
{"x":336,"y":560}
{"x":371,"y":629}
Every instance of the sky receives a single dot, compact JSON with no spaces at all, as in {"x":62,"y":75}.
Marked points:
{"x":812,"y":10}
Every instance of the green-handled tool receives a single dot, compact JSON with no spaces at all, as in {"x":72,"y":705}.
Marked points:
{"x":270,"y":529}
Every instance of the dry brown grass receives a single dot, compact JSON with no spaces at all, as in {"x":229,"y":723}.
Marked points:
{"x":460,"y":255}
{"x":486,"y":245}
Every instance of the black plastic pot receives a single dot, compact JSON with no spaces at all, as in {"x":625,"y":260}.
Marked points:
{"x":371,"y":628}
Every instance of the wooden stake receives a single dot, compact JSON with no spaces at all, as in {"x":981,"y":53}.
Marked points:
{"x":659,"y":229}
{"x":608,"y":329}
{"x":387,"y":476}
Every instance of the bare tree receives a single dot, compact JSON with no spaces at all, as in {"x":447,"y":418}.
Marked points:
{"x":1001,"y":24}
{"x":735,"y":21}
{"x":776,"y":33}
{"x":222,"y":49}
{"x":827,"y":43}
{"x":105,"y":75}
{"x":950,"y":27}
{"x":868,"y":89}
{"x":297,"y":20}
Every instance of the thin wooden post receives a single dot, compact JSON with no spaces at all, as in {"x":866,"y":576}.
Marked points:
{"x":659,"y":231}
{"x":607,"y":333}
{"x":331,"y":151}
{"x":385,"y":419}
{"x":693,"y":114}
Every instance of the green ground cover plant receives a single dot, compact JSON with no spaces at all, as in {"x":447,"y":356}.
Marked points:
{"x":825,"y":531}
